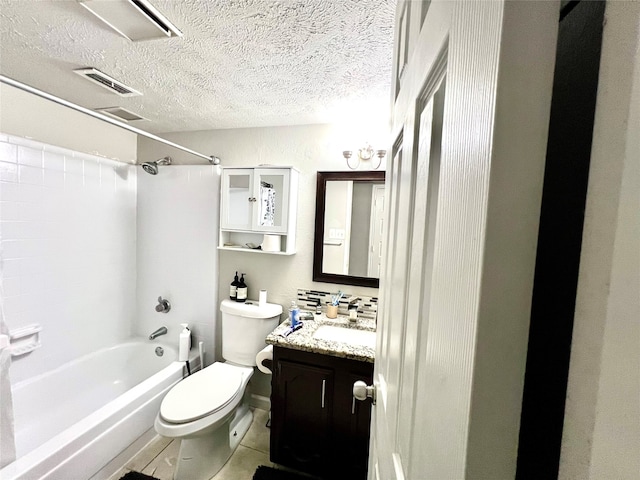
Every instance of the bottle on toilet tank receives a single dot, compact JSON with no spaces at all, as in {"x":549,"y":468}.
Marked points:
{"x":185,"y":343}
{"x":242,"y":290}
{"x":233,"y":289}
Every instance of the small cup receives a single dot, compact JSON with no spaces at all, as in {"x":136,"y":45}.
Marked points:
{"x":332,"y":311}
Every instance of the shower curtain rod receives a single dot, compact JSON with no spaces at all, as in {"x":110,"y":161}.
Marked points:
{"x":213,"y":160}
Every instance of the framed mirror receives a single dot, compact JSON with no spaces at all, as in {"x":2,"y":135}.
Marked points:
{"x":349,"y":228}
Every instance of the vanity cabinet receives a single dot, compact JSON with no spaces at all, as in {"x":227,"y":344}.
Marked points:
{"x":316,"y":424}
{"x":255,"y":202}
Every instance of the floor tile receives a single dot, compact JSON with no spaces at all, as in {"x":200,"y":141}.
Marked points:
{"x":163,"y":466}
{"x":119,"y":474}
{"x":257,"y":437}
{"x":242,"y":464}
{"x":148,"y":454}
{"x":160,"y":456}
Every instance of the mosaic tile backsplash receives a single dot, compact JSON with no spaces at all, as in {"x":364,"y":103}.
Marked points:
{"x":367,"y":306}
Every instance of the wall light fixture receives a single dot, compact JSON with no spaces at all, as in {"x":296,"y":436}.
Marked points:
{"x":365,"y":154}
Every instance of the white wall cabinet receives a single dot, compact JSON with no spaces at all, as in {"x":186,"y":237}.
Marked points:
{"x":255,"y":202}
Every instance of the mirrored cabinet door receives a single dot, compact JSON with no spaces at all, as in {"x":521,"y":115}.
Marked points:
{"x":271,"y":191}
{"x":237,"y":201}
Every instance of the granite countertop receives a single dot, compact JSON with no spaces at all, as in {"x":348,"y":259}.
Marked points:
{"x":302,"y":339}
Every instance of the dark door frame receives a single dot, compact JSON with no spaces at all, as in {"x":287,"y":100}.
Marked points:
{"x":564,"y":194}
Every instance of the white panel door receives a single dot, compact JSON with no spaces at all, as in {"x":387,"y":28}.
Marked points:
{"x":472,"y":89}
{"x":376,"y":231}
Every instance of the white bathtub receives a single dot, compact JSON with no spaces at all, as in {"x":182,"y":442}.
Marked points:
{"x":71,"y":421}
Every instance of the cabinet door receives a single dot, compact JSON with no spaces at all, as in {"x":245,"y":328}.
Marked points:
{"x":301,"y":416}
{"x":271,"y":191}
{"x":352,"y":419}
{"x":237,"y":199}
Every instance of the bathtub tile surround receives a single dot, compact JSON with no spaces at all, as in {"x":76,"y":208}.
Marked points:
{"x":70,"y":253}
{"x":68,"y":232}
{"x":367,"y":306}
{"x":177,"y":235}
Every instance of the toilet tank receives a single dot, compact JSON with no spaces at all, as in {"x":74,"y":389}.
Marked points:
{"x":244,"y":327}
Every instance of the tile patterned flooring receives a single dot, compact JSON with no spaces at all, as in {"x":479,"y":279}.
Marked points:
{"x":158,"y":458}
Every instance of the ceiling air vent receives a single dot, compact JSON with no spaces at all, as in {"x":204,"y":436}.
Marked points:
{"x":133,"y":19}
{"x":107,"y":82}
{"x":120,"y":113}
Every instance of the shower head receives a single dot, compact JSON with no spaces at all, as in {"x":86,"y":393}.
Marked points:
{"x":152,"y":167}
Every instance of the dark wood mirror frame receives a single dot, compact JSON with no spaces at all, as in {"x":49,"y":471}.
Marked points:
{"x":321,"y":185}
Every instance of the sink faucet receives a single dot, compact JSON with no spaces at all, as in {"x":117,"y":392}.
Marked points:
{"x":158,"y":332}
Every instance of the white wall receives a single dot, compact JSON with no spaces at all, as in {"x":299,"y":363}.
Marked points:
{"x":26,"y":115}
{"x":601,"y":437}
{"x":177,"y":257}
{"x":309,"y":148}
{"x":67,"y":258}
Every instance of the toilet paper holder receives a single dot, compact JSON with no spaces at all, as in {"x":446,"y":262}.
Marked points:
{"x":267,"y":363}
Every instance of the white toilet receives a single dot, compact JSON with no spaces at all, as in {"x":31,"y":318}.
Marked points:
{"x":209,"y":410}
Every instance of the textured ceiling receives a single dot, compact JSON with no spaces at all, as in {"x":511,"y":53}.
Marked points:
{"x":240,"y":63}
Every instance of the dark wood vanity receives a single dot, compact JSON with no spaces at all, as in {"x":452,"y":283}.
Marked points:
{"x":316,"y":424}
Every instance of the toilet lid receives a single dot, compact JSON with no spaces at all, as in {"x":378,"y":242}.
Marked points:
{"x":201,"y":394}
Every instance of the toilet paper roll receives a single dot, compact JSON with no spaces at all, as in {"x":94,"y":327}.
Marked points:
{"x":271,"y":243}
{"x":265,"y":354}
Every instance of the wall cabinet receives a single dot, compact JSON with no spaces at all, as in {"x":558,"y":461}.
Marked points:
{"x":316,"y":424}
{"x":255,"y":202}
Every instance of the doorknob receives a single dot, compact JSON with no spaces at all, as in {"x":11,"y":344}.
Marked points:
{"x":362,"y":391}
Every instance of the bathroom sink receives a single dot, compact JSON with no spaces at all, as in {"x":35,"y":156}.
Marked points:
{"x":352,"y":336}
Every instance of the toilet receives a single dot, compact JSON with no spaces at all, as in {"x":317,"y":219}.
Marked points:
{"x":209,"y":410}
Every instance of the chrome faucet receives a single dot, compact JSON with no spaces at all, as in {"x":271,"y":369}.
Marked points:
{"x":158,"y":332}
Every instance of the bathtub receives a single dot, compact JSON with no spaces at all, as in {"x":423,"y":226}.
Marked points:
{"x":70,"y":422}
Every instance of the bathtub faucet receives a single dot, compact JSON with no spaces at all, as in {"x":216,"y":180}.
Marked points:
{"x":163,"y":305}
{"x":158,"y":332}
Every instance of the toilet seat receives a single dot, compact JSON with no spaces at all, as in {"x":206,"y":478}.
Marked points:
{"x":202,"y":393}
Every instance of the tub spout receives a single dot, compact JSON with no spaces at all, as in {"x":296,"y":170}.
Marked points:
{"x":158,"y":332}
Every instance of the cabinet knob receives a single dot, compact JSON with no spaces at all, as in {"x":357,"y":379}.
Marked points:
{"x":362,"y":391}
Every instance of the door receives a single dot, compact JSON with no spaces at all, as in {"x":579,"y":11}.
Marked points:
{"x":352,"y":422}
{"x":302,"y":415}
{"x":471,"y":96}
{"x":237,"y":195}
{"x":271,"y":199}
{"x":376,"y":231}
{"x":560,"y":238}
{"x":337,"y":227}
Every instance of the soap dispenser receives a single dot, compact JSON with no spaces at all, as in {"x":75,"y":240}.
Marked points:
{"x":242,"y":290}
{"x":233,"y":290}
{"x":185,"y":343}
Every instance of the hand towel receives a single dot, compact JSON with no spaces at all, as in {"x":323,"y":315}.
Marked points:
{"x":267,"y":206}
